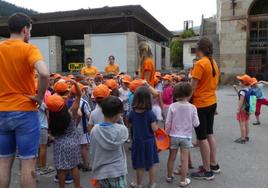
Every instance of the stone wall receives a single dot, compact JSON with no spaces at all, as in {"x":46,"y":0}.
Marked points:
{"x":233,"y":38}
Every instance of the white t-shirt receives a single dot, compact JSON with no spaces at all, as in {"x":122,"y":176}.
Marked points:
{"x":123,"y":95}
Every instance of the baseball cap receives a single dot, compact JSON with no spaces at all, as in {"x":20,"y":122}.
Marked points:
{"x":246,"y":79}
{"x":101,"y":91}
{"x":55,"y":103}
{"x":60,"y":87}
{"x":81,"y":86}
{"x":112,"y":84}
{"x":126,"y":79}
{"x":135,"y":84}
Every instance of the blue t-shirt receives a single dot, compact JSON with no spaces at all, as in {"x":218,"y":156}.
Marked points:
{"x":43,"y":116}
{"x":141,"y":125}
{"x":259,"y":91}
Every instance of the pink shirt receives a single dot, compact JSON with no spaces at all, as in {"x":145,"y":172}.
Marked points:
{"x":181,"y":118}
{"x":167,"y":95}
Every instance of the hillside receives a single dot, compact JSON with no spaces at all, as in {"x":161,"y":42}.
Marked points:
{"x":6,"y":9}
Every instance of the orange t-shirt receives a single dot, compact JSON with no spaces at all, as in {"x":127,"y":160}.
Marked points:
{"x":17,"y":60}
{"x":112,"y":69}
{"x":148,"y":66}
{"x":205,"y":93}
{"x":89,"y":71}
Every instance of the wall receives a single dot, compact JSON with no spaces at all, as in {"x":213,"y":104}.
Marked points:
{"x":43,"y":44}
{"x":104,"y":45}
{"x":233,"y":38}
{"x":50,"y":48}
{"x":187,"y":56}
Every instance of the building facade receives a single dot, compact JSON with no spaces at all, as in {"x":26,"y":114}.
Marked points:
{"x":67,"y":38}
{"x":242,"y":26}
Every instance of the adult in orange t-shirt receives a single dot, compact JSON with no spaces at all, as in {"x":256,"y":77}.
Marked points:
{"x":147,"y":68}
{"x":205,"y":78}
{"x":112,"y":68}
{"x":89,"y":70}
{"x":19,"y":119}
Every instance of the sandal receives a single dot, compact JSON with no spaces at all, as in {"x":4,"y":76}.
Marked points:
{"x":169,"y":179}
{"x":185,"y":183}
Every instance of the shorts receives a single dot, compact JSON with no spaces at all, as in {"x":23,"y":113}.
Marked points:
{"x":242,"y":116}
{"x":19,"y":130}
{"x":43,"y":136}
{"x":184,"y":143}
{"x":84,"y":138}
{"x":119,"y":182}
{"x":206,"y":118}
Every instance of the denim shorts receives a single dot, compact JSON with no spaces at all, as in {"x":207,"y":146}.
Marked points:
{"x":184,"y":143}
{"x":19,"y":130}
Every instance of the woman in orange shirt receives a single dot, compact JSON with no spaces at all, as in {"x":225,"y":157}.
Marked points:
{"x":147,"y":69}
{"x":89,"y":70}
{"x":112,"y":68}
{"x":205,"y":78}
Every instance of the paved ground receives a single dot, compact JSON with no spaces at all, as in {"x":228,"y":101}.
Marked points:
{"x":243,"y":166}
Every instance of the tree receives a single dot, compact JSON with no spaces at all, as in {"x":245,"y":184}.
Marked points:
{"x":176,"y":48}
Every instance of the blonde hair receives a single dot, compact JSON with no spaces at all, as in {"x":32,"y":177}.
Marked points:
{"x":144,"y":52}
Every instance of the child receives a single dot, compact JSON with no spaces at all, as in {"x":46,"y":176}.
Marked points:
{"x":143,"y":124}
{"x":43,"y":141}
{"x":123,"y":94}
{"x":82,"y":128}
{"x":181,"y":119}
{"x":62,"y":122}
{"x":107,"y":151}
{"x":243,"y":111}
{"x":167,"y":95}
{"x":261,"y":99}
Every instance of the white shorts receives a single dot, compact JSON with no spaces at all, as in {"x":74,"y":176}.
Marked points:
{"x":157,"y":112}
{"x":84,"y":139}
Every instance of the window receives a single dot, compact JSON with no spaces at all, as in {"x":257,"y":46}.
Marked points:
{"x":259,"y":7}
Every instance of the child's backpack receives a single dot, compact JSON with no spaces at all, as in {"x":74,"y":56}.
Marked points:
{"x":250,"y":100}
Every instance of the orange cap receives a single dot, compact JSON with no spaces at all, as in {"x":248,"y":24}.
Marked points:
{"x":81,"y":86}
{"x":167,"y":77}
{"x":157,"y":74}
{"x":126,"y":79}
{"x":135,"y":84}
{"x":60,"y":87}
{"x":112,"y":84}
{"x":161,"y":139}
{"x":254,"y":81}
{"x":55,"y":103}
{"x":246,"y":79}
{"x":101,"y":91}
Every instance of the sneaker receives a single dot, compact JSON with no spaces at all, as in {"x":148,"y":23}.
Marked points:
{"x":203,"y":175}
{"x":240,"y":141}
{"x":185,"y":183}
{"x":134,"y":185}
{"x":215,"y":169}
{"x":152,"y":186}
{"x":68,"y":179}
{"x":46,"y":170}
{"x":257,"y":123}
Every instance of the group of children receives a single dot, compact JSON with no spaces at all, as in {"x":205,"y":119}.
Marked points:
{"x":104,"y":113}
{"x":251,"y":98}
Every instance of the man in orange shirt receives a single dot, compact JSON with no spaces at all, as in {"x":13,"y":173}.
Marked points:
{"x":112,"y":68}
{"x":19,"y":120}
{"x":89,"y":70}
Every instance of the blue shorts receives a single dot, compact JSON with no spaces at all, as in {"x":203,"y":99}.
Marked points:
{"x":19,"y":130}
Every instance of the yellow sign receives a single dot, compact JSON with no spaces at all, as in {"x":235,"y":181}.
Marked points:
{"x":75,"y":66}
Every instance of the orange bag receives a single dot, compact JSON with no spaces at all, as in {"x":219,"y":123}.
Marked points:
{"x":94,"y":183}
{"x":162,"y":140}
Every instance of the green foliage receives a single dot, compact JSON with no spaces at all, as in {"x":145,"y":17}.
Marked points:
{"x":7,"y":9}
{"x":176,"y":48}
